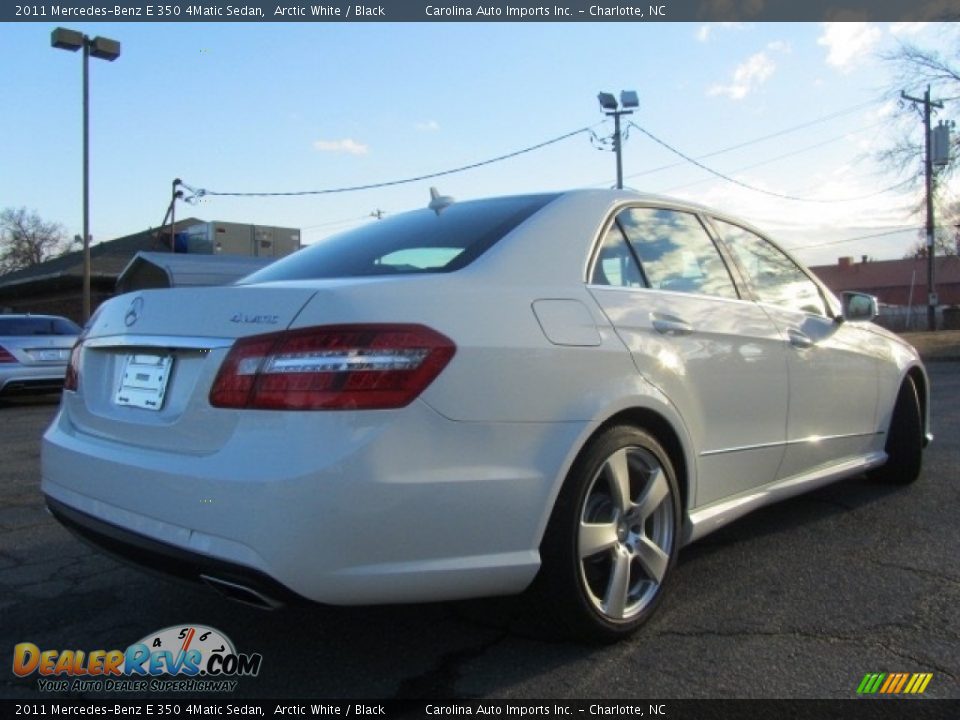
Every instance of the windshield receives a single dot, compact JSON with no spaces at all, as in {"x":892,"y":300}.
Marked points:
{"x":422,"y":241}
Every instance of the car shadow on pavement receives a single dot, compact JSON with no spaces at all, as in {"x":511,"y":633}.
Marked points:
{"x":19,"y":401}
{"x":838,"y":499}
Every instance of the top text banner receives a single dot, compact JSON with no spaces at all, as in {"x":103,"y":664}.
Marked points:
{"x":495,"y":11}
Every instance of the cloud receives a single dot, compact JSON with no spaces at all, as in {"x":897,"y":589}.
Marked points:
{"x":704,"y":31}
{"x":907,"y":28}
{"x":428,"y":126}
{"x":848,"y":42}
{"x":748,"y":76}
{"x":885,"y":110}
{"x":347,"y":145}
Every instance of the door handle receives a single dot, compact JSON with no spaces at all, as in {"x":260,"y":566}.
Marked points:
{"x":799,"y":339}
{"x":669,"y":325}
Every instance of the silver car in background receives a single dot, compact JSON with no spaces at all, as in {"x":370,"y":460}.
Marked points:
{"x":34,"y":352}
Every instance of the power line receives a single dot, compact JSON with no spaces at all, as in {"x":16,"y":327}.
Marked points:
{"x":747,"y":143}
{"x":200,"y":192}
{"x":337,"y":222}
{"x":854,"y":239}
{"x":913,"y":228}
{"x":782,"y":196}
{"x":777,"y":158}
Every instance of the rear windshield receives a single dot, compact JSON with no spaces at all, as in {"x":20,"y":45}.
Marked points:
{"x":422,"y":241}
{"x":13,"y":326}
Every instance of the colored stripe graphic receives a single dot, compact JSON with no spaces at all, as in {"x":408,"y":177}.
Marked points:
{"x":870,"y":683}
{"x":891,"y":681}
{"x":903,"y":681}
{"x":894,"y":683}
{"x":918,"y":683}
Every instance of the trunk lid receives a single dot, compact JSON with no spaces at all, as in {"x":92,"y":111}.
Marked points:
{"x":149,"y":359}
{"x":210,"y":312}
{"x":39,"y":351}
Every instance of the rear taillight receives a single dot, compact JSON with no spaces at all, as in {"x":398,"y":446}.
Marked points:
{"x":6,"y":356}
{"x":72,"y":379}
{"x":333,"y":367}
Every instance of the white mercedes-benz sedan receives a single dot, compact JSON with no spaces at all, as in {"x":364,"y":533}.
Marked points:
{"x":554,"y":392}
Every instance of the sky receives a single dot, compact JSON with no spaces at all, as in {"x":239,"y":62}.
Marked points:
{"x":238,"y":107}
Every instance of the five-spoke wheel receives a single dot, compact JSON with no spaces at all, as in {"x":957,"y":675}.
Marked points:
{"x":613,"y":535}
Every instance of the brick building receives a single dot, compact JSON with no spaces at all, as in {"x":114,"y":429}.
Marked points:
{"x":895,"y":282}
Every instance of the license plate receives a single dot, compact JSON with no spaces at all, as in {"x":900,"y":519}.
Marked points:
{"x":49,"y":355}
{"x":144,"y":381}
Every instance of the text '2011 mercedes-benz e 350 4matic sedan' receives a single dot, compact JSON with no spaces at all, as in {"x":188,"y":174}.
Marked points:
{"x":553,"y":392}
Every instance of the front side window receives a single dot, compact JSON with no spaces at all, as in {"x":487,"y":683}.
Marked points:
{"x":421,"y":241}
{"x":676,"y":252}
{"x":774,"y":277}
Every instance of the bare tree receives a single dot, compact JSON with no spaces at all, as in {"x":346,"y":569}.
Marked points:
{"x":26,"y":239}
{"x":944,"y":241}
{"x":946,"y":236}
{"x":913,"y":69}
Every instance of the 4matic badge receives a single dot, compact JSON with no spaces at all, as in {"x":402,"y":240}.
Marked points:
{"x":248,"y":319}
{"x":201,"y":658}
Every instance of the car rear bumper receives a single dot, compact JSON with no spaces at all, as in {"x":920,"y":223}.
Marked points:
{"x":31,"y":380}
{"x":349,"y":509}
{"x":250,"y":586}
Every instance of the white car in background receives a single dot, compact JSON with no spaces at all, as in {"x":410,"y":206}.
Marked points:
{"x":551,"y":390}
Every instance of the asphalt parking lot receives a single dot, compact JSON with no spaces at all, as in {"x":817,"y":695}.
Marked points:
{"x":797,"y":600}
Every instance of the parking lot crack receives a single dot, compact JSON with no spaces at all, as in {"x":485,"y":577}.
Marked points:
{"x":828,"y":637}
{"x":924,"y":663}
{"x":440,"y":680}
{"x":755,"y":633}
{"x":923,"y":572}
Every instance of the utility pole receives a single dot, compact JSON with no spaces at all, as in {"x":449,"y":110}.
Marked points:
{"x":928,"y":169}
{"x":174,"y":195}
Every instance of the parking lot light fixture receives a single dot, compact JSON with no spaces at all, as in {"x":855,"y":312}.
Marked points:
{"x":105,"y":49}
{"x":628,"y":103}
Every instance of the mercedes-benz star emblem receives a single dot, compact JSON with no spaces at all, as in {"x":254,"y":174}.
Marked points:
{"x":134,"y":311}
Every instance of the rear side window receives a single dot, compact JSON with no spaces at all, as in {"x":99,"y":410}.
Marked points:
{"x":676,"y":252}
{"x":422,"y":241}
{"x":616,"y":264}
{"x":23,"y":326}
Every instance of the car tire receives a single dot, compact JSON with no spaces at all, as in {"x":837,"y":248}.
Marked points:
{"x":612,"y":538}
{"x":904,"y":445}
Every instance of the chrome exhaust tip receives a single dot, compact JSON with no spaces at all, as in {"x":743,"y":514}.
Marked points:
{"x":241,"y":593}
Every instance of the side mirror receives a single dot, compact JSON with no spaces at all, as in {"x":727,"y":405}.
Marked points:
{"x":859,"y":307}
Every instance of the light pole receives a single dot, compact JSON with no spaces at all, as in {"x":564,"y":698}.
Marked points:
{"x":105,"y":49}
{"x":628,"y":101}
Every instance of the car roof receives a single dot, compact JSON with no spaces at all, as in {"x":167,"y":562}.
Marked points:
{"x":628,"y":195}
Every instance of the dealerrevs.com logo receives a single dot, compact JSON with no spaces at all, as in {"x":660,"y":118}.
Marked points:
{"x":187,"y":658}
